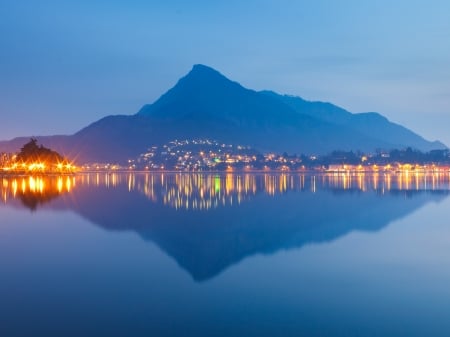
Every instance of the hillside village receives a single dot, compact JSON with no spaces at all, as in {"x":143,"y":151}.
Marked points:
{"x":212,"y":155}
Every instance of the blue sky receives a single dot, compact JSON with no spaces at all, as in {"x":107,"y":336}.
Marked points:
{"x":65,"y":64}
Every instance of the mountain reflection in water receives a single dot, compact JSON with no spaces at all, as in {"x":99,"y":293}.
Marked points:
{"x":208,"y":222}
{"x":202,"y":191}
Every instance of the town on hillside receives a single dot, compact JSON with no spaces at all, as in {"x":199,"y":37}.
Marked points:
{"x":212,"y":155}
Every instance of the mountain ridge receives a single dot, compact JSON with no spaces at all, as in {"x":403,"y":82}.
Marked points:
{"x":340,"y":116}
{"x":206,"y":104}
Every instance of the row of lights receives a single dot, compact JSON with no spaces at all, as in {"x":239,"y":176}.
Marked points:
{"x":40,"y":167}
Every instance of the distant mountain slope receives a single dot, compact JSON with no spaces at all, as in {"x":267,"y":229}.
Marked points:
{"x":213,"y":106}
{"x":205,"y":104}
{"x":371,"y":124}
{"x":58,"y":143}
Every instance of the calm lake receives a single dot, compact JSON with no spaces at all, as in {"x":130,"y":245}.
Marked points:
{"x":152,"y":254}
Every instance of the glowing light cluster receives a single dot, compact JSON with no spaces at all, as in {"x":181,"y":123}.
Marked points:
{"x":40,"y":167}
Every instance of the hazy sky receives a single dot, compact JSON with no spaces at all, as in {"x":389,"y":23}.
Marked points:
{"x":65,"y":64}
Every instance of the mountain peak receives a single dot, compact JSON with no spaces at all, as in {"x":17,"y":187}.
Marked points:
{"x":203,"y":68}
{"x":198,"y":91}
{"x":201,"y":74}
{"x":206,"y":103}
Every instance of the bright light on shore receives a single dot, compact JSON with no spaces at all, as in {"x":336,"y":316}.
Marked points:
{"x":40,"y":167}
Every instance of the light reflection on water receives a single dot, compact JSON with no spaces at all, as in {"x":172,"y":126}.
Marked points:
{"x":35,"y":190}
{"x":225,"y":255}
{"x":203,"y":191}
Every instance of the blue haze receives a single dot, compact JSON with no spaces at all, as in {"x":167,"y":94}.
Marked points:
{"x":65,"y":64}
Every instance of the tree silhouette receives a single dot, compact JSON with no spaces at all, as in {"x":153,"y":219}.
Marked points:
{"x":32,"y":152}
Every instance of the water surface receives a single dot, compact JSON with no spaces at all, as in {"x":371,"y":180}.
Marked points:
{"x":225,"y":254}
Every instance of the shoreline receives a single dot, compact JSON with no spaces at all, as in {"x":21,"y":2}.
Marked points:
{"x":436,"y":169}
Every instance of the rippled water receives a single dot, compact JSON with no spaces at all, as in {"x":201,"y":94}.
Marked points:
{"x":225,"y":255}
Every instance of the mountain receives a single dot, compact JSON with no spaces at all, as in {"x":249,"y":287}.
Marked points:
{"x":371,"y":124}
{"x":205,"y":104}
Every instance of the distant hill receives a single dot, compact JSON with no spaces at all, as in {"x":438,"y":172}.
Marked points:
{"x":371,"y":124}
{"x":205,"y":104}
